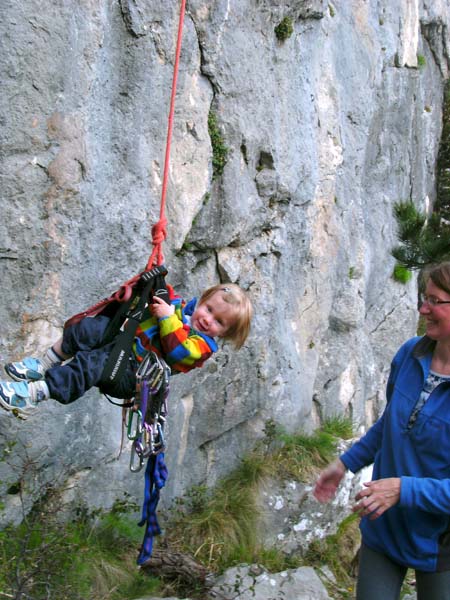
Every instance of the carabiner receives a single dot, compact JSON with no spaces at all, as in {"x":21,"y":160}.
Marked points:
{"x":149,"y":441}
{"x":156,"y":382}
{"x":161,"y":441}
{"x":138,"y":429}
{"x":134,"y":455}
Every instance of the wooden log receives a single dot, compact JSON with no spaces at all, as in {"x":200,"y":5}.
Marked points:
{"x":167,"y":563}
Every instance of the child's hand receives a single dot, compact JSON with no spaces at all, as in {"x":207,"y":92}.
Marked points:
{"x":160,"y":308}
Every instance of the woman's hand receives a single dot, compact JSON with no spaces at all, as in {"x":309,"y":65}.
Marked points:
{"x":329,"y":480}
{"x":378,"y":496}
{"x":160,"y":308}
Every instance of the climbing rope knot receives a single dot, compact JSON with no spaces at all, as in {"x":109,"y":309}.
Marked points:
{"x":159,"y":232}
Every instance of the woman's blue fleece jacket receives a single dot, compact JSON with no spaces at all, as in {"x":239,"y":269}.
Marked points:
{"x":416,"y":531}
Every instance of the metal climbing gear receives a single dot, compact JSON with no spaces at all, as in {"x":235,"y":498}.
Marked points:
{"x":147,"y":417}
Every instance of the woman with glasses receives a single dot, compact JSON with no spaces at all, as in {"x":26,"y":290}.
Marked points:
{"x":405,"y":509}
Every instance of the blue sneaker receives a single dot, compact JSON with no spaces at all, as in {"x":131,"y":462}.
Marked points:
{"x":15,"y":397}
{"x":28,"y":369}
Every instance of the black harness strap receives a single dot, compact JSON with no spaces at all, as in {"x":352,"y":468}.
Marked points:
{"x":160,"y":288}
{"x":154,"y":284}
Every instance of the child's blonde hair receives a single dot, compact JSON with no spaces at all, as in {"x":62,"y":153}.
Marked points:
{"x":234,"y":295}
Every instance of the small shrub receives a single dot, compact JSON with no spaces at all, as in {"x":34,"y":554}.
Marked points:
{"x":220,"y":151}
{"x":284,"y":29}
{"x":443,"y":162}
{"x":401,"y":274}
{"x":422,"y":240}
{"x":85,"y":558}
{"x":188,"y":247}
{"x":271,"y":432}
{"x":421,"y":61}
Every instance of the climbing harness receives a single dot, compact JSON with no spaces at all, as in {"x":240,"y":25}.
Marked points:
{"x":123,"y":326}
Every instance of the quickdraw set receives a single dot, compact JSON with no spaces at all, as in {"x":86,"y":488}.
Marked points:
{"x":146,"y":418}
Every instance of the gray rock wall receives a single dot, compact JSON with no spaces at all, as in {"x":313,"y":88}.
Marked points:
{"x":325,"y":132}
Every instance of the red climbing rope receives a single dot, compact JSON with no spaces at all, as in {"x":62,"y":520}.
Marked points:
{"x":159,"y":232}
{"x":159,"y":229}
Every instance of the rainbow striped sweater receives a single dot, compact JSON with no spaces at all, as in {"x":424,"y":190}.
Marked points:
{"x":172,"y":338}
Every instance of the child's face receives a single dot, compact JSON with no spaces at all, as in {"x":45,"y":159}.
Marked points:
{"x":213,"y":317}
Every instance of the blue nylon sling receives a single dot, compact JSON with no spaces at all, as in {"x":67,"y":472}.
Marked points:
{"x":156,"y":474}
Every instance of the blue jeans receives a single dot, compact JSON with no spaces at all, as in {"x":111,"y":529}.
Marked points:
{"x":380,"y":578}
{"x":83,"y":341}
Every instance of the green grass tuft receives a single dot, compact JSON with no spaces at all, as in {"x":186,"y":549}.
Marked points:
{"x":338,"y":426}
{"x":216,"y":526}
{"x":85,"y":558}
{"x":301,"y":454}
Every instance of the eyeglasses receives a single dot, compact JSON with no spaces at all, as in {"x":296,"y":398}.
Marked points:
{"x":432,"y":300}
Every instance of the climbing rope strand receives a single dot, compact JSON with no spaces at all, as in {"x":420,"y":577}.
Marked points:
{"x":159,"y":232}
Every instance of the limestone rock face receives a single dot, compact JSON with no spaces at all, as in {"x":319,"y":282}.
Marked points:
{"x":324,"y":131}
{"x":254,"y":582}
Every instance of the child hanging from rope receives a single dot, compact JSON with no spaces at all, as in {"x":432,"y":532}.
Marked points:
{"x":181,"y":333}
